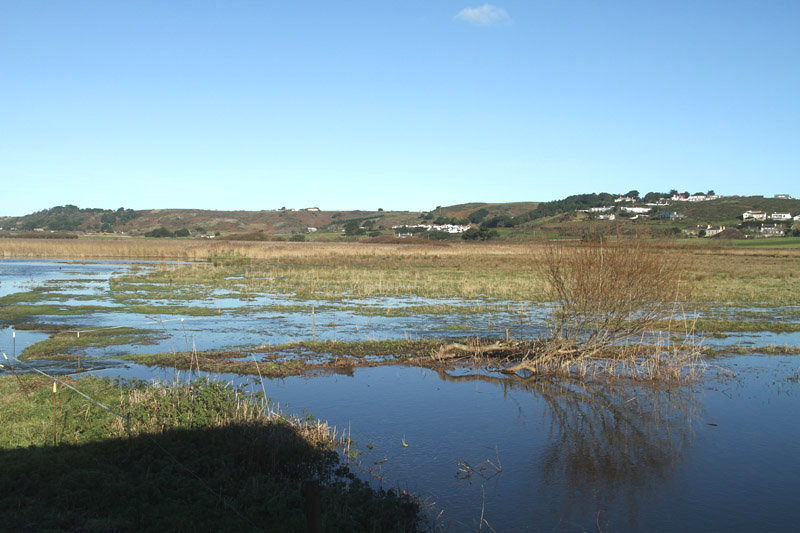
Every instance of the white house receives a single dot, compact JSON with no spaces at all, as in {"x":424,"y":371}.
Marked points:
{"x":624,"y":199}
{"x":754,"y":215}
{"x":781,"y":216}
{"x":710,"y":230}
{"x":598,"y":209}
{"x":637,"y":210}
{"x":771,"y":230}
{"x":609,"y":216}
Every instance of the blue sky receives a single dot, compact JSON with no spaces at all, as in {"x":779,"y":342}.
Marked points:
{"x":393,"y":104}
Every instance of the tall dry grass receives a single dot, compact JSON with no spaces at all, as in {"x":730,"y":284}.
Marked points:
{"x":494,"y":270}
{"x":193,"y":250}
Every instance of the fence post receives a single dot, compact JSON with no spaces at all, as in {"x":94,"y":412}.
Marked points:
{"x":55,"y":438}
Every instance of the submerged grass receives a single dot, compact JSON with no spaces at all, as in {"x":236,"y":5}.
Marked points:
{"x":199,"y":456}
{"x":16,"y":313}
{"x":27,"y":297}
{"x":667,"y":360}
{"x":294,"y":358}
{"x":733,"y":325}
{"x":67,"y":344}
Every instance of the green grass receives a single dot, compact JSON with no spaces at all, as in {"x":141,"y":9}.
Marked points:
{"x":396,"y":348}
{"x":730,"y":325}
{"x":773,"y":242}
{"x":67,"y":344}
{"x":26,"y":297}
{"x":15,"y":313}
{"x":420,"y":310}
{"x":200,"y":457}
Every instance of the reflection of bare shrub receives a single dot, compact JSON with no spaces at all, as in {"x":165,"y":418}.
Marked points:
{"x":610,"y":444}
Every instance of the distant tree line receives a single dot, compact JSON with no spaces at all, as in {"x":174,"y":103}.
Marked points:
{"x":164,"y":232}
{"x":72,"y":218}
{"x":578,"y":202}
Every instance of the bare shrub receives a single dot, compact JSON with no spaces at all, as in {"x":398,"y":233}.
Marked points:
{"x":604,"y":296}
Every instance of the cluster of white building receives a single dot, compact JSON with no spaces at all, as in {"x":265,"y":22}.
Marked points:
{"x":447,"y":228}
{"x":762,"y":215}
{"x":694,"y":197}
{"x":636,"y":210}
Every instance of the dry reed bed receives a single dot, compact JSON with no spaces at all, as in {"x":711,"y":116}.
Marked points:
{"x":192,"y":250}
{"x":506,"y":271}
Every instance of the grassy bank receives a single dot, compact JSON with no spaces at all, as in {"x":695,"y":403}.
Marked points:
{"x":199,"y":457}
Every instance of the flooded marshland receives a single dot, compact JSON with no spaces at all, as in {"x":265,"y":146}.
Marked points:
{"x":479,"y":448}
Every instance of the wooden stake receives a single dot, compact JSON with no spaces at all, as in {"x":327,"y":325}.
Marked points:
{"x":313,"y":324}
{"x":54,"y":414}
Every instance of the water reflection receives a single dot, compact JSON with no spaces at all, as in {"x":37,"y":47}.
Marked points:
{"x":609,"y":446}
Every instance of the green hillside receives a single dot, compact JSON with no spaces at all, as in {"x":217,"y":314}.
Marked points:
{"x":516,"y":221}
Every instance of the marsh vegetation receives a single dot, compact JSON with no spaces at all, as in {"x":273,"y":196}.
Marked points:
{"x":183,"y":456}
{"x":567,"y":322}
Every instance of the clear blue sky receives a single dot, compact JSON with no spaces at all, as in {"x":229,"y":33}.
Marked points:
{"x":394,"y":104}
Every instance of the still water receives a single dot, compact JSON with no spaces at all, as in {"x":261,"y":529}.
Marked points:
{"x":541,"y":455}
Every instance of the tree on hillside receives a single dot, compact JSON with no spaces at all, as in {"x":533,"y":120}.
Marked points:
{"x":483,"y":234}
{"x":478,"y":216}
{"x":571,"y":203}
{"x":159,"y":232}
{"x":353,"y":228}
{"x":655,"y":196}
{"x":633,"y":194}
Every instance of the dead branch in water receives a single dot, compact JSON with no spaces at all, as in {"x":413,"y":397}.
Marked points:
{"x":456,"y":349}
